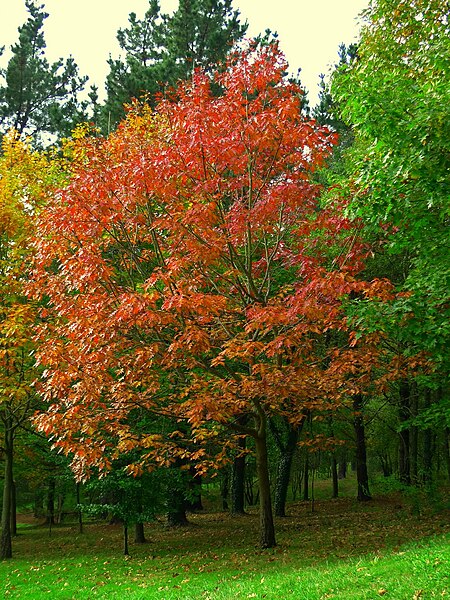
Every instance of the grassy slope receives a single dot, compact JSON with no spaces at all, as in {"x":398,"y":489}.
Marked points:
{"x":343,"y":550}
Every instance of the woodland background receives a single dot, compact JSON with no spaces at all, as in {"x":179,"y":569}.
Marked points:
{"x":208,"y":284}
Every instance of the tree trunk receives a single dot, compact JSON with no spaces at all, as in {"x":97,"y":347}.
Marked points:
{"x":125,"y":540}
{"x":13,"y":509}
{"x":362,"y":476}
{"x":194,"y":502}
{"x":51,"y":501}
{"x":79,"y":511}
{"x":404,"y":445}
{"x":447,"y":450}
{"x":386,"y":464}
{"x":224,"y":488}
{"x":342,"y":469}
{"x":427,"y":446}
{"x":238,"y":481}
{"x":38,"y":506}
{"x":176,"y":503}
{"x":414,"y":438}
{"x":176,"y":515}
{"x":306,"y":479}
{"x":139,"y":534}
{"x":5,"y":541}
{"x":267,"y":528}
{"x":334,"y":475}
{"x":284,"y":471}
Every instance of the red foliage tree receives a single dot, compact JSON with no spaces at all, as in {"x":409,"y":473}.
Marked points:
{"x":187,"y":273}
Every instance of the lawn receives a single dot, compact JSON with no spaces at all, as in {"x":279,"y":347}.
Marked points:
{"x":343,"y":549}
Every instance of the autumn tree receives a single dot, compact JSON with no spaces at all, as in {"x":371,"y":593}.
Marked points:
{"x":187,"y":272}
{"x":23,"y":177}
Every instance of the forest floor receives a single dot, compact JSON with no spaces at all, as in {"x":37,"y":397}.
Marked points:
{"x":342,"y":549}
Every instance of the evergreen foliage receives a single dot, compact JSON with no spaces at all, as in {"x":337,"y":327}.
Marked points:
{"x":38,"y":98}
{"x":161,"y":50}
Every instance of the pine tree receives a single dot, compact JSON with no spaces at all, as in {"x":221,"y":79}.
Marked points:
{"x":38,"y":98}
{"x":162,"y":49}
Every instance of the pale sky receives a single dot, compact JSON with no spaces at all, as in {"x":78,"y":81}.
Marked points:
{"x":310,"y":31}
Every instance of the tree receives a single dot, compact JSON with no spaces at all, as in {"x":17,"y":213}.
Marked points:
{"x":395,"y":96}
{"x":200,"y":34}
{"x":37,"y":98}
{"x":203,"y":294}
{"x":401,"y":155}
{"x":23,"y":177}
{"x":141,"y":72}
{"x":160,"y":50}
{"x":127,"y":500}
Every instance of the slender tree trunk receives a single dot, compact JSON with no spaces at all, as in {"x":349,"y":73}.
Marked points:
{"x":238,"y":481}
{"x":267,"y":528}
{"x":176,"y":503}
{"x":334,"y":476}
{"x":51,"y":501}
{"x":38,"y":508}
{"x":447,"y":449}
{"x":224,"y":488}
{"x":79,"y":511}
{"x":427,"y":446}
{"x":414,"y":438}
{"x":306,"y":479}
{"x":5,"y":540}
{"x":125,"y":539}
{"x":139,"y":533}
{"x":284,"y":471}
{"x":404,"y":465}
{"x":342,"y":469}
{"x":362,"y":475}
{"x":238,"y":485}
{"x":13,"y":509}
{"x":427,"y":456}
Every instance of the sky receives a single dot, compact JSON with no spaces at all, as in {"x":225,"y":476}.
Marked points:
{"x":309,"y":31}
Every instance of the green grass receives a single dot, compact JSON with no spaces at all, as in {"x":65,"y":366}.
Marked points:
{"x":344,"y":550}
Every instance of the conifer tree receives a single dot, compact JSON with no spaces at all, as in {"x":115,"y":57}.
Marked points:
{"x":38,"y":98}
{"x":161,"y":50}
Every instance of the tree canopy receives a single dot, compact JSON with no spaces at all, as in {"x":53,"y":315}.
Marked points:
{"x":38,"y":98}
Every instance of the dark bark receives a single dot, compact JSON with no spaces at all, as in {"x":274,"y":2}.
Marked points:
{"x":404,"y":466}
{"x":334,"y":476}
{"x":38,"y":508}
{"x":125,"y":540}
{"x":447,"y":450}
{"x":79,"y":511}
{"x":267,"y":528}
{"x":176,"y":502}
{"x":13,"y":509}
{"x":427,"y":456}
{"x":284,"y":470}
{"x":414,"y":438}
{"x":427,"y":446}
{"x":362,"y":475}
{"x":5,"y":540}
{"x":238,"y":481}
{"x":139,"y":534}
{"x":176,"y":515}
{"x":224,"y":488}
{"x":386,"y":464}
{"x":194,"y":503}
{"x":306,"y":479}
{"x":342,"y":469}
{"x":51,"y":501}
